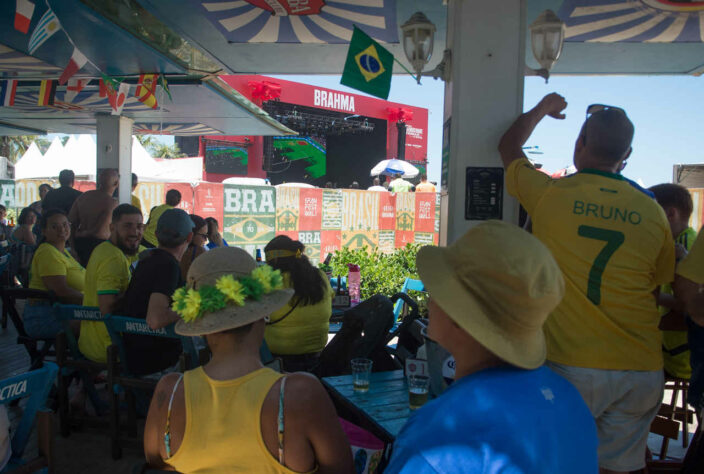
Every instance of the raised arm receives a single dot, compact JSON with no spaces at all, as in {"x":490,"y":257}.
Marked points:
{"x":511,"y":144}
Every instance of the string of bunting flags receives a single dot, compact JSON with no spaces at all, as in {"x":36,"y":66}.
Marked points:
{"x":115,"y":90}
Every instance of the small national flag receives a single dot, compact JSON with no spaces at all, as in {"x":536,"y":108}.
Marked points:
{"x":117,"y":100}
{"x":145,"y":90}
{"x":107,"y":86}
{"x":76,"y":62}
{"x":47,"y":26}
{"x":73,"y":88}
{"x":47,"y":92}
{"x":23,"y":15}
{"x":7,"y":93}
{"x":368,"y":67}
{"x":165,"y":86}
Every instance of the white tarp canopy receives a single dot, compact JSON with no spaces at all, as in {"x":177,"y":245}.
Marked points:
{"x":30,"y":161}
{"x":79,"y":155}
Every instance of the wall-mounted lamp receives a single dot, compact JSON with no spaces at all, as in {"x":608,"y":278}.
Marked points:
{"x":547,"y":36}
{"x":418,"y":37}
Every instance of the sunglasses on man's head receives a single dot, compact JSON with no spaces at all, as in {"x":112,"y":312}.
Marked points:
{"x":594,"y":108}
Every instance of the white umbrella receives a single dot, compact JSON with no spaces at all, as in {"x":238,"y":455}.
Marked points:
{"x":395,"y":166}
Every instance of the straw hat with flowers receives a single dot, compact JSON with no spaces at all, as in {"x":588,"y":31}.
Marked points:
{"x":225,"y":290}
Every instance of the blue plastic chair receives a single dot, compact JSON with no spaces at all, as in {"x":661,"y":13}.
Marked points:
{"x":135,"y":387}
{"x":118,"y":325}
{"x":66,"y":345}
{"x":35,"y":385}
{"x":409,"y":285}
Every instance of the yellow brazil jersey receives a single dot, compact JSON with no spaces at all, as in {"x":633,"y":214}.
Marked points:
{"x":692,"y":267}
{"x":108,"y":273}
{"x":48,"y":261}
{"x":136,"y":202}
{"x":297,"y":329}
{"x":150,"y":229}
{"x":675,"y":346}
{"x":614,"y":246}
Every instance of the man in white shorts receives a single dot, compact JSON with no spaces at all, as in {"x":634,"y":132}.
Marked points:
{"x":615,"y":248}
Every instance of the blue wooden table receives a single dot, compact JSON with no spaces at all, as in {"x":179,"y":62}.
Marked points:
{"x":383,"y":408}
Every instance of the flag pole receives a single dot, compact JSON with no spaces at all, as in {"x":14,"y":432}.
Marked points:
{"x":406,"y":69}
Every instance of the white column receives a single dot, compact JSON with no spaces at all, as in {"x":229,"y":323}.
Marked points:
{"x":482,"y":98}
{"x":115,"y":150}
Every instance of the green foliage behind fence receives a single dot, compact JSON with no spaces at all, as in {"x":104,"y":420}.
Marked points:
{"x":381,"y":273}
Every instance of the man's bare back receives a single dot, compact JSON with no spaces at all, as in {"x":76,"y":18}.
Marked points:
{"x":91,"y":214}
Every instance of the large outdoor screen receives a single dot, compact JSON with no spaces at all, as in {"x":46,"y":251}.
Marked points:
{"x":225,"y":157}
{"x":306,"y":154}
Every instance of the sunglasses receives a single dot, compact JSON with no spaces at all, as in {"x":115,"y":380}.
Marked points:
{"x":594,"y":108}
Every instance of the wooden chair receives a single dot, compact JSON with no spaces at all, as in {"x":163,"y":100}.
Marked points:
{"x":36,"y":385}
{"x":121,"y":380}
{"x":4,"y":263}
{"x":676,"y":410}
{"x":71,"y":362}
{"x":37,"y":349}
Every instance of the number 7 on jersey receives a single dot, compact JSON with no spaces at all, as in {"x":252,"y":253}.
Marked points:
{"x":613,"y":240}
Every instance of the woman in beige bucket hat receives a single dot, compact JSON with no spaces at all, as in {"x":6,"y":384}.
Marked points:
{"x":490,"y":293}
{"x":233,"y":414}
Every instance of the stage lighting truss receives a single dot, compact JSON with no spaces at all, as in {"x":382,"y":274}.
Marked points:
{"x":317,"y":122}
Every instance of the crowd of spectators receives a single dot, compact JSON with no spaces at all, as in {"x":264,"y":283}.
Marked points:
{"x":562,"y":339}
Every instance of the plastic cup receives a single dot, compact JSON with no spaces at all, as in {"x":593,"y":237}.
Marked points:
{"x":361,"y":370}
{"x":417,"y":391}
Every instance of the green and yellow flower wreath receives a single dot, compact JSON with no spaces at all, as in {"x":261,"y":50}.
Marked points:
{"x":190,"y":303}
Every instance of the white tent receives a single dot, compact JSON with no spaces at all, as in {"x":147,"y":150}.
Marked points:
{"x":53,"y":160}
{"x":79,"y":155}
{"x":27,"y":166}
{"x":178,"y":169}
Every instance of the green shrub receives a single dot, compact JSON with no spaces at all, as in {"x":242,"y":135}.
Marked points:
{"x":381,"y":273}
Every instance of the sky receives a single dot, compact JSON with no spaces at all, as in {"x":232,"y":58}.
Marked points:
{"x":666,"y":111}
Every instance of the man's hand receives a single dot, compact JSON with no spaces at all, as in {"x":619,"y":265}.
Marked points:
{"x":511,"y":144}
{"x":553,"y":105}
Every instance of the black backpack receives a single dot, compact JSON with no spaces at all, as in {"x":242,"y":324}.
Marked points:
{"x":364,"y":333}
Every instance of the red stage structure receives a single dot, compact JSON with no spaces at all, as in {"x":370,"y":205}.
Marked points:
{"x":341,"y":136}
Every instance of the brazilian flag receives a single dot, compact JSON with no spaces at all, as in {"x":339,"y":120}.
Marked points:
{"x":368,"y":66}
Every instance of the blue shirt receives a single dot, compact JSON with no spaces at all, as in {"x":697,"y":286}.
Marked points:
{"x":505,"y":420}
{"x":212,"y":245}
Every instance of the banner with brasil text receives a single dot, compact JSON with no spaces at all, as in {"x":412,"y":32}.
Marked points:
{"x":249,"y":214}
{"x":325,"y":220}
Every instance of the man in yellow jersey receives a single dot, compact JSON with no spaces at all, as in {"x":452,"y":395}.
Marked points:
{"x":614,"y":246}
{"x":108,"y":275}
{"x":677,"y":204}
{"x":173,"y":198}
{"x":136,"y":202}
{"x":689,"y":289}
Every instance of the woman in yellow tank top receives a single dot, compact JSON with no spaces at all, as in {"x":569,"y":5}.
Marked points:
{"x":234,"y":415}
